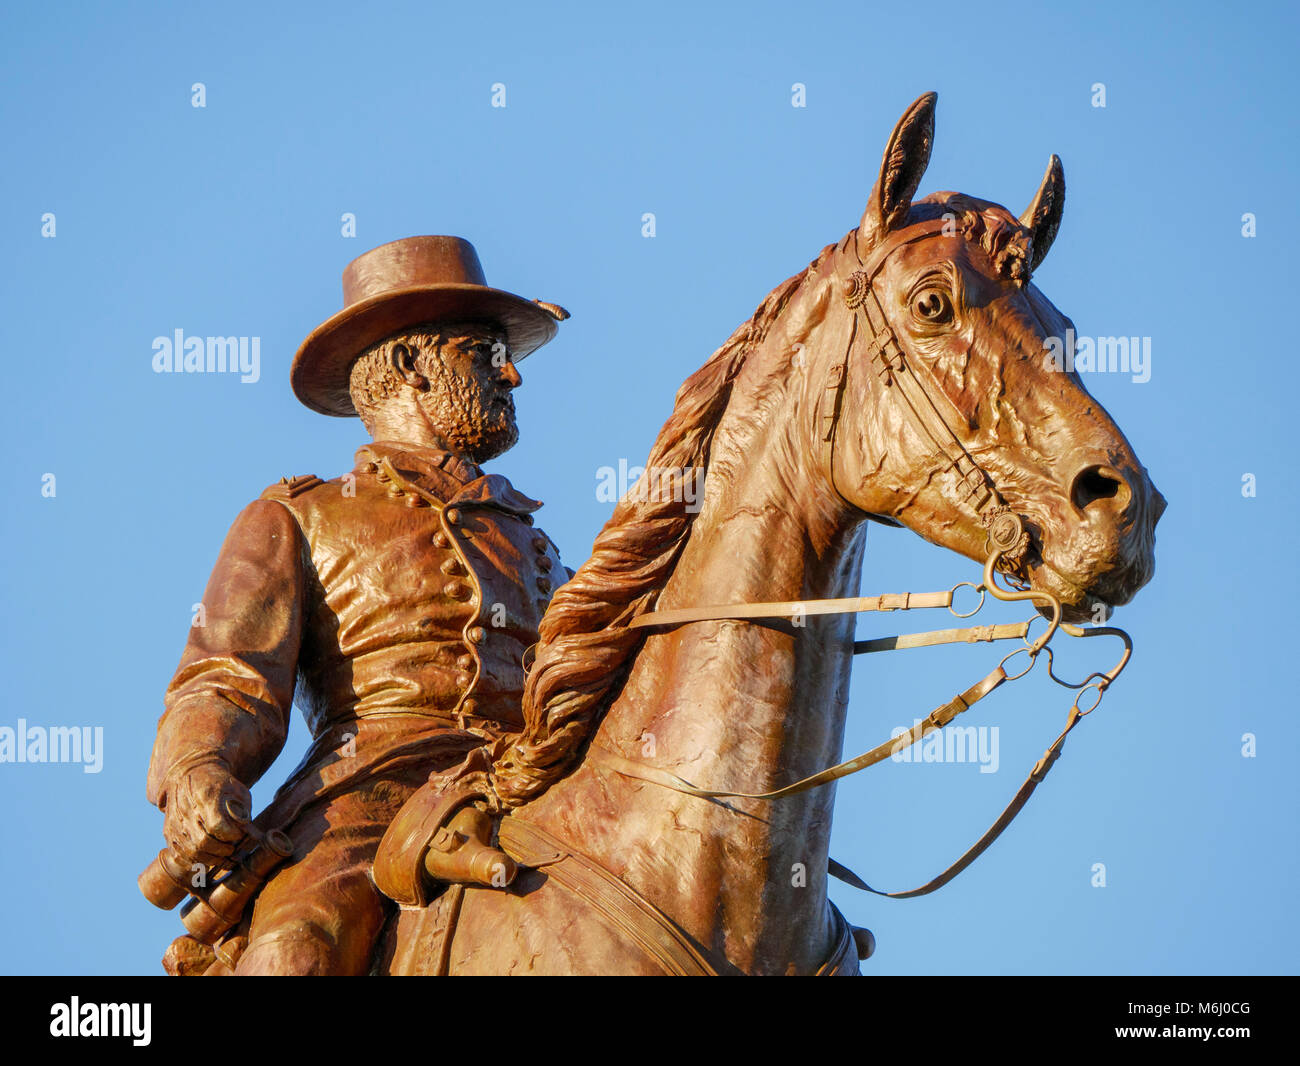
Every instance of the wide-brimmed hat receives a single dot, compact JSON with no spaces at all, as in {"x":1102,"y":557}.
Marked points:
{"x":403,"y":284}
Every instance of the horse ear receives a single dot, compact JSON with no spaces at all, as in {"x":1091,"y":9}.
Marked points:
{"x":906,"y":157}
{"x":1043,"y":217}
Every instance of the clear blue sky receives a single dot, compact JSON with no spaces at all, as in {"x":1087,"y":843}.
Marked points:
{"x":226,"y":220}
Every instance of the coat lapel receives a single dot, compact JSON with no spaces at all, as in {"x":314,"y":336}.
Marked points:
{"x":497,"y":491}
{"x":449,"y":478}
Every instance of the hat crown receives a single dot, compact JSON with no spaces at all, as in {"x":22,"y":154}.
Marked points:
{"x":410,"y":263}
{"x":399,"y":286}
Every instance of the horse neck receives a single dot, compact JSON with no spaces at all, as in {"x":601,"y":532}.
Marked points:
{"x":737,"y":706}
{"x":767,"y":533}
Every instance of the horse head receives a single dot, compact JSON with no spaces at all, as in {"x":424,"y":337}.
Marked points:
{"x":940,"y":289}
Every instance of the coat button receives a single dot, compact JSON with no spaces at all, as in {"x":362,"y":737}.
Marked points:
{"x":464,"y":680}
{"x":543,"y":564}
{"x":540,"y":545}
{"x":457,"y":590}
{"x":453,"y":516}
{"x":469,"y":707}
{"x":544,"y":584}
{"x":476,"y":634}
{"x":465,"y":662}
{"x":452,"y":566}
{"x":440,"y":540}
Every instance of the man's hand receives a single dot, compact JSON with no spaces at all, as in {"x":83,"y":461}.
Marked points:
{"x":198,"y":821}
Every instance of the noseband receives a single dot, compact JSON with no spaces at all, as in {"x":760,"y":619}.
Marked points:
{"x":1006,"y":530}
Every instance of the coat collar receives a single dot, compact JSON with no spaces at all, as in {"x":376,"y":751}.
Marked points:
{"x":447,"y":477}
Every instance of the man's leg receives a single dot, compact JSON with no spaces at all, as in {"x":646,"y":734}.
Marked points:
{"x":323,"y":915}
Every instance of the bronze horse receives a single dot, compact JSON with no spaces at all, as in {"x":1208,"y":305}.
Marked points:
{"x":804,"y":434}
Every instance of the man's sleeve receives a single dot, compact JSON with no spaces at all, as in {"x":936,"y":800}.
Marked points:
{"x":233,"y":692}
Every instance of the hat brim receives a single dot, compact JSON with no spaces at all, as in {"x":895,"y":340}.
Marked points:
{"x":323,"y":365}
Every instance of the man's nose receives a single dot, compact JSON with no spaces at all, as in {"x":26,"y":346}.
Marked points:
{"x":511,"y":375}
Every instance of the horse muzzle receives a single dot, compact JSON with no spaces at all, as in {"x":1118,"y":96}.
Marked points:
{"x":1104,"y":551}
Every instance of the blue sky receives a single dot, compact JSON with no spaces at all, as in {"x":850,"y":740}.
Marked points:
{"x":226,"y":220}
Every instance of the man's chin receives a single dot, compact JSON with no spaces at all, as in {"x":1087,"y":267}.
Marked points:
{"x":492,"y":443}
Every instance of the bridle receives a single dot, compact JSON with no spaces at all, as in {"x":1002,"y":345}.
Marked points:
{"x":1006,"y":529}
{"x":1008,"y":543}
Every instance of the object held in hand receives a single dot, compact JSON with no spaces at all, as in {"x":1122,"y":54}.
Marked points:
{"x":207,"y":917}
{"x":215,"y":910}
{"x":168,"y":879}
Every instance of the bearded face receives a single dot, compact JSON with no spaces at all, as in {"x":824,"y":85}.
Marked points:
{"x":447,"y":385}
{"x":470,"y":377}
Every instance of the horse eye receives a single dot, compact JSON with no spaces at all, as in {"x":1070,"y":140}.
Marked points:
{"x":933,"y":306}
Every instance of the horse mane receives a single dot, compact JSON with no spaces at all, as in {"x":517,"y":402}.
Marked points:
{"x":585,"y":650}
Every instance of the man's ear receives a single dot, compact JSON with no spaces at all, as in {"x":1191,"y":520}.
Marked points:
{"x":403,"y":359}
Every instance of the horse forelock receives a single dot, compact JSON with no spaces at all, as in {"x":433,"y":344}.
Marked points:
{"x":990,"y":226}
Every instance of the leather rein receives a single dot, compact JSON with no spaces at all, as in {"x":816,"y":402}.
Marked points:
{"x":1008,"y":543}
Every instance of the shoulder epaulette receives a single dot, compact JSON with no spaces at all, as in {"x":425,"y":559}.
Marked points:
{"x":290,"y":487}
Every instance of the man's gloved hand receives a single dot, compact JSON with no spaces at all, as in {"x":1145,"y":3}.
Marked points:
{"x":206,"y":813}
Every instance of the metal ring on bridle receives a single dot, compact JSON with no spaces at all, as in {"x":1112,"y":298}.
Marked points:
{"x":1029,"y":626}
{"x":1019,"y":651}
{"x":1100,"y":689}
{"x":978,"y":607}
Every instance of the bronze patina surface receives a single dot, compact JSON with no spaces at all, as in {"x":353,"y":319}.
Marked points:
{"x":647,"y":789}
{"x":399,"y":597}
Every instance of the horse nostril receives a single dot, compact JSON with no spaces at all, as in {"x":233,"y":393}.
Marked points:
{"x":1098,"y":483}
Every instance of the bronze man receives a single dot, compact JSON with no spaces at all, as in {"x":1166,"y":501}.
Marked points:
{"x":398,"y":600}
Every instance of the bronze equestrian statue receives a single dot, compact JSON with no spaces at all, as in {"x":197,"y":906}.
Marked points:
{"x":657,"y":798}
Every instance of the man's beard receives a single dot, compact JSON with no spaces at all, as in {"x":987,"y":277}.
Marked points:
{"x":498,"y":435}
{"x":481,"y":433}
